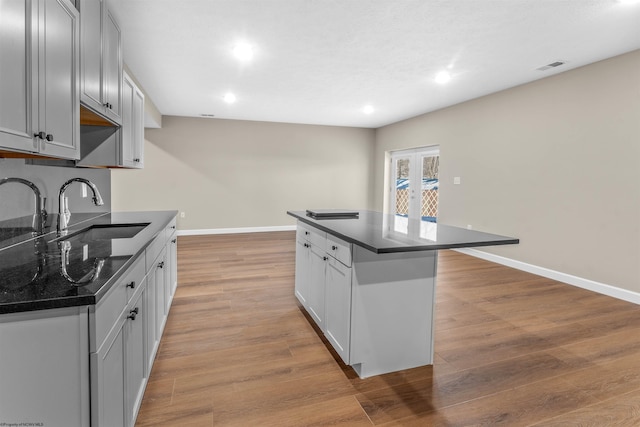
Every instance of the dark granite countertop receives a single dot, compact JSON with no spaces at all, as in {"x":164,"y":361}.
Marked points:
{"x":31,"y":273}
{"x":382,"y":233}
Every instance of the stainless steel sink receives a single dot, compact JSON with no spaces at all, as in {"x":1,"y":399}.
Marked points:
{"x":105,"y":232}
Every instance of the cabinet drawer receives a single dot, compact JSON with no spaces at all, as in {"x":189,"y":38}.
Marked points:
{"x":154,"y":249}
{"x":339,"y":249}
{"x":108,"y":311}
{"x":312,"y":235}
{"x":171,"y":228}
{"x":303,"y":232}
{"x":135,"y":278}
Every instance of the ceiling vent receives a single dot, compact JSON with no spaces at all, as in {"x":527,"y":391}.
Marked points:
{"x":207,"y":115}
{"x":552,"y":65}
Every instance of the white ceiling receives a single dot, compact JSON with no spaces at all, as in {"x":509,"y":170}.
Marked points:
{"x":322,"y":61}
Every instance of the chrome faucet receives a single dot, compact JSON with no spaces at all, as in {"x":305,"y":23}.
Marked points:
{"x":63,"y":210}
{"x":40,"y":214}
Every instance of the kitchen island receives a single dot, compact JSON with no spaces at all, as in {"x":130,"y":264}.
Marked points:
{"x":369,"y":283}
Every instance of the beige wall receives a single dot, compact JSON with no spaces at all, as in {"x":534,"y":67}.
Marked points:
{"x":555,"y":162}
{"x":230,"y":173}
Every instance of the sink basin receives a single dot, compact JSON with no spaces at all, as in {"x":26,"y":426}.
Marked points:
{"x":106,"y":232}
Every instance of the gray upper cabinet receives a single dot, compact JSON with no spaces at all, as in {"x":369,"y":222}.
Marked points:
{"x":39,"y":70}
{"x":101,"y":68}
{"x":91,"y":59}
{"x":132,"y":124}
{"x":107,"y":146}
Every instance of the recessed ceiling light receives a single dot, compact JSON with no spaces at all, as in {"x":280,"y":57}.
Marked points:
{"x":243,"y":51}
{"x":207,"y":115}
{"x":368,"y":109}
{"x":443,"y":77}
{"x":229,"y":98}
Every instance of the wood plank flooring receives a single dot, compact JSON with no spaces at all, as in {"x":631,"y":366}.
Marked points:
{"x":512,"y":349}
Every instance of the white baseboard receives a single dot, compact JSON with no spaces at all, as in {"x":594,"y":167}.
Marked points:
{"x":580,"y":282}
{"x":236,"y":230}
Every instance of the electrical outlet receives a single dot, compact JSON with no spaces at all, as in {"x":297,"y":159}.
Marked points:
{"x":456,"y":180}
{"x":182,"y":214}
{"x":469,"y":227}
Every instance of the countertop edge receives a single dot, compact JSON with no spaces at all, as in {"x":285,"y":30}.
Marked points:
{"x":413,"y":248}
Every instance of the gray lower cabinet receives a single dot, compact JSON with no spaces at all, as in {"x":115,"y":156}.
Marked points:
{"x":135,"y":372}
{"x":89,"y":365}
{"x":173,"y":260}
{"x":338,"y":307}
{"x":323,"y":285}
{"x":159,"y":282}
{"x":303,"y":260}
{"x":108,"y":390}
{"x":376,"y":310}
{"x":45,"y":378}
{"x":39,"y":93}
{"x":318,"y":269}
{"x":118,"y":363}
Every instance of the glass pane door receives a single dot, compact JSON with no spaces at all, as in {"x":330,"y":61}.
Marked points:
{"x":414,"y":187}
{"x":429,"y":190}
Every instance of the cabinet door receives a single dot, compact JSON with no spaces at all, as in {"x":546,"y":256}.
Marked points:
{"x":59,"y":97}
{"x":160,"y":276}
{"x":108,"y":402}
{"x":91,"y":53}
{"x":338,"y":307}
{"x":44,"y":367}
{"x":173,"y":263}
{"x":17,"y":100}
{"x":138,"y":128}
{"x":112,"y":83}
{"x":134,"y":342}
{"x":316,"y":285}
{"x":127,"y":131}
{"x":303,"y":272}
{"x":150,"y":319}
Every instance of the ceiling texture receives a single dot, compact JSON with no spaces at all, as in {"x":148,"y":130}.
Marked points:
{"x":322,"y":61}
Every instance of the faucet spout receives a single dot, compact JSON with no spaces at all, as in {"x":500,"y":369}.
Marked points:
{"x":63,"y":214}
{"x":40,"y":214}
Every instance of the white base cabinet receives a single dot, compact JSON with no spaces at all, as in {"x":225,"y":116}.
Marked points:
{"x":45,"y":379}
{"x":89,"y":365}
{"x":376,"y":310}
{"x":323,"y":285}
{"x":338,"y":307}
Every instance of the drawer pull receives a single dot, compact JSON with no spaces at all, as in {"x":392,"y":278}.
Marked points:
{"x":173,"y":226}
{"x":306,"y":233}
{"x":324,"y":258}
{"x":174,"y":240}
{"x":161,"y":264}
{"x":334,"y":247}
{"x":133,"y":313}
{"x":131,"y":285}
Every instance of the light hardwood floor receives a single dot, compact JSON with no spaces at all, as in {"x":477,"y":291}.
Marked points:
{"x":512,"y":349}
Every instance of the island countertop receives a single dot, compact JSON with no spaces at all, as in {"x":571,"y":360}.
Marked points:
{"x":31,"y":276}
{"x":383,"y":233}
